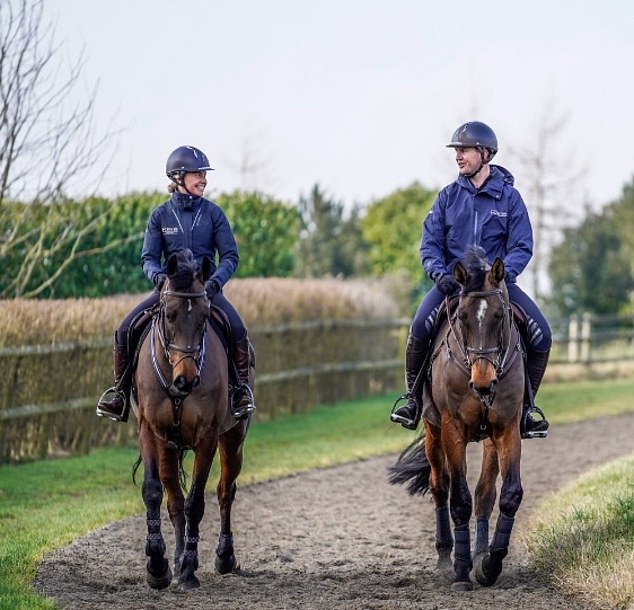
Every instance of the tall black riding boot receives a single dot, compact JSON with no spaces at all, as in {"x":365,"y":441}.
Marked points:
{"x":114,"y":401}
{"x":409,"y":414}
{"x":535,"y":369}
{"x":242,"y":401}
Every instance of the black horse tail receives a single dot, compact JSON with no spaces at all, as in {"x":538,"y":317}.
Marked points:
{"x":412,"y":466}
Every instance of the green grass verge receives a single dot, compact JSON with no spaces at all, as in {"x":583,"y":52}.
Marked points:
{"x":585,"y":539}
{"x":45,"y":505}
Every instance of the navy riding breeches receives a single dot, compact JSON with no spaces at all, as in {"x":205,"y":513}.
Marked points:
{"x":539,"y":333}
{"x":238,"y":330}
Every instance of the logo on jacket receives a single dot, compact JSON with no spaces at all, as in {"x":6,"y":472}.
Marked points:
{"x":169,"y":230}
{"x":500,"y":214}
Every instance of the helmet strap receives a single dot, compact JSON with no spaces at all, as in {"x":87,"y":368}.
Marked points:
{"x":483,"y":162}
{"x":179,"y":180}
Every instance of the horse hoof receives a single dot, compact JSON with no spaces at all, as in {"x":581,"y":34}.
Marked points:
{"x":160,"y":582}
{"x":444,"y":566}
{"x":462,"y":585}
{"x":482,"y":570}
{"x":225,"y":565}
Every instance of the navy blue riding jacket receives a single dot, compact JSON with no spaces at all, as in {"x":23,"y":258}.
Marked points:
{"x":185,"y":221}
{"x":493,"y":217}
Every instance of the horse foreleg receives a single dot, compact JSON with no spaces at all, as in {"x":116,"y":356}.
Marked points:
{"x":231,"y":444}
{"x":489,"y":564}
{"x":159,"y":574}
{"x":439,"y":488}
{"x":455,"y":445}
{"x":485,"y":494}
{"x":194,"y":511}
{"x":169,"y":471}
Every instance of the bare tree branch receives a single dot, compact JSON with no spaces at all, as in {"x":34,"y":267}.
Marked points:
{"x":551,"y":195}
{"x":45,"y":142}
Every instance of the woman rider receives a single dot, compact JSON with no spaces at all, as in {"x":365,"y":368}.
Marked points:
{"x":186,"y":220}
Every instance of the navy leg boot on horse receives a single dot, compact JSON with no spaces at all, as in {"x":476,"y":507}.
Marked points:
{"x":535,"y":368}
{"x":113,"y":403}
{"x":242,"y":401}
{"x":409,"y":414}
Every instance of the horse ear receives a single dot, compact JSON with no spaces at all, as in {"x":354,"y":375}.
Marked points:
{"x":171,"y":265}
{"x":205,"y":268}
{"x":460,"y":274}
{"x":497,"y":270}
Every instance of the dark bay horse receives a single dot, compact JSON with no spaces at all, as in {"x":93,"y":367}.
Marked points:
{"x":181,"y":401}
{"x":475,"y":393}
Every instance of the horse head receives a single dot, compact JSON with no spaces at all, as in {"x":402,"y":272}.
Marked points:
{"x":483,"y":319}
{"x":183,"y":314}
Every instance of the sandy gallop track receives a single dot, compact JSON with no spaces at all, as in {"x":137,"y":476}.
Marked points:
{"x":339,"y":538}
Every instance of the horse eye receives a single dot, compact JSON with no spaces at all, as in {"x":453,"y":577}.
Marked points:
{"x":170,"y":314}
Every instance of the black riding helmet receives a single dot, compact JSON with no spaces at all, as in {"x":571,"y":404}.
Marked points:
{"x":475,"y":134}
{"x":186,"y":159}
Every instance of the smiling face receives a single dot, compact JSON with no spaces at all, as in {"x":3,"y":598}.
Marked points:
{"x":468,"y":160}
{"x":194,"y":183}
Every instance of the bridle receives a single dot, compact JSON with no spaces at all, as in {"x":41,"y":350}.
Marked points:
{"x":504,"y":352}
{"x":500,"y":356}
{"x":196,"y":353}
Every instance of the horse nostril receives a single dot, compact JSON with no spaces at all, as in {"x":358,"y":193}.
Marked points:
{"x":196,"y":382}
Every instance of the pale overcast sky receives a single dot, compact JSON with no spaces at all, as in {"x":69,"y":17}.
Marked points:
{"x":360,"y":96}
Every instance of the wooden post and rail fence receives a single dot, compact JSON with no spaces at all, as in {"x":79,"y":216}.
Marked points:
{"x":48,"y":392}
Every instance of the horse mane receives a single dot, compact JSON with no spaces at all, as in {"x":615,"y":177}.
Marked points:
{"x":183,"y":276}
{"x":477,"y":266}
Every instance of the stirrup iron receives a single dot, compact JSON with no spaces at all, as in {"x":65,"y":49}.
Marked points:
{"x":104,"y":412}
{"x":243,"y":388}
{"x":409,"y":424}
{"x":533,"y":433}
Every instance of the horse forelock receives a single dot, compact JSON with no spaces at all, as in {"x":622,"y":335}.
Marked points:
{"x":185,"y":273}
{"x":477,"y":267}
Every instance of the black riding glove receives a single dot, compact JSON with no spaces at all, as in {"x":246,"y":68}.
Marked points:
{"x":212,"y":288}
{"x":448,"y":285}
{"x":159,"y":280}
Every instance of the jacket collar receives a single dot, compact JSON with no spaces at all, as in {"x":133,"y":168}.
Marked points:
{"x":184,"y":201}
{"x":493,"y":185}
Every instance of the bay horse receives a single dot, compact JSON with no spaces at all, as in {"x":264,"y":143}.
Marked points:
{"x":475,"y":393}
{"x":181,"y":401}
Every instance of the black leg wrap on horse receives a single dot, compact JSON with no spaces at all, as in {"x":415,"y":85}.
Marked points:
{"x":443,"y":529}
{"x":462,"y":551}
{"x":502,"y":536}
{"x":225,"y":558}
{"x":482,"y":536}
